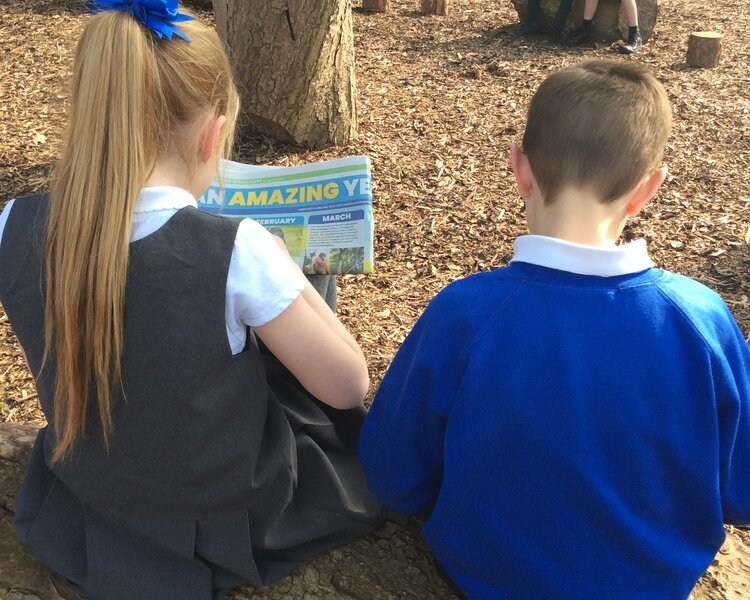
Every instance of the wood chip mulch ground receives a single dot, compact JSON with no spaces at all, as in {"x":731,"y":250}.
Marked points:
{"x":440,"y":102}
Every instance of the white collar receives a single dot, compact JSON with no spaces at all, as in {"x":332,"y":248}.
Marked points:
{"x":582,"y":259}
{"x":163,"y":197}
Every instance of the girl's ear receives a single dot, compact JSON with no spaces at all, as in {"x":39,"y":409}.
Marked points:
{"x":210,"y":138}
{"x":519,"y":162}
{"x":646,"y":190}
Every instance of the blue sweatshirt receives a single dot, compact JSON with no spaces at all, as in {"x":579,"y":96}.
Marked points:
{"x":571,"y":436}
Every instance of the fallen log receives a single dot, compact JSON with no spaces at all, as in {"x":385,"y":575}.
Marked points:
{"x":390,"y":563}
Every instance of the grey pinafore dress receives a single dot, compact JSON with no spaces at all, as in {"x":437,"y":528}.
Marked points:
{"x":221,"y":468}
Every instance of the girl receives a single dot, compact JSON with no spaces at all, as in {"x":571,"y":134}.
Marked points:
{"x":629,"y":8}
{"x":181,"y":457}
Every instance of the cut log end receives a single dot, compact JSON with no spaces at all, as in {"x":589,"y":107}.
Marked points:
{"x":704,"y":49}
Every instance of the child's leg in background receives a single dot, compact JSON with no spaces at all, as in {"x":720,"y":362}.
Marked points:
{"x":589,"y":10}
{"x":634,"y":43}
{"x":561,"y":16}
{"x":630,"y":10}
{"x":530,"y":23}
{"x":583,"y":33}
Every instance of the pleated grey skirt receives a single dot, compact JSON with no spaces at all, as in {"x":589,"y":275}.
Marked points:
{"x":324,"y":503}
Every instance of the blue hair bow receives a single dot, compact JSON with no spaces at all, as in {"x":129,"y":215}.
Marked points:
{"x":159,"y":16}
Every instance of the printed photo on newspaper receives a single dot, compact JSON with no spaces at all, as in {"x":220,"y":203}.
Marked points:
{"x":323,"y":210}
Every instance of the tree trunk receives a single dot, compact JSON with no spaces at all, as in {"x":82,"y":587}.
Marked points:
{"x":704,"y":49}
{"x":435,"y":7}
{"x":376,"y":5}
{"x":294,"y":67}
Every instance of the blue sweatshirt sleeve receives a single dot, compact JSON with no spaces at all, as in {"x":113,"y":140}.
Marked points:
{"x":401,"y":444}
{"x":731,"y":367}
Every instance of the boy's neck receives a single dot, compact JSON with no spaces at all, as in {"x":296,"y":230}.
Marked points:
{"x":578,"y":216}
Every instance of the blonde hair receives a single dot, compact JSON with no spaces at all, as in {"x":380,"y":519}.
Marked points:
{"x":130,"y":92}
{"x":600,"y":124}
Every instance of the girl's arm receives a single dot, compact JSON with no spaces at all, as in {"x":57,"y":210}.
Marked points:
{"x":314,"y":345}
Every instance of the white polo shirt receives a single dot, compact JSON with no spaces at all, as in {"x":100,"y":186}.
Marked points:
{"x":261,"y":282}
{"x":602,"y":261}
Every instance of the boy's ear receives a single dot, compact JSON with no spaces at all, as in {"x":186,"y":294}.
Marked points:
{"x":646,"y":190}
{"x":210,"y":137}
{"x":519,"y":162}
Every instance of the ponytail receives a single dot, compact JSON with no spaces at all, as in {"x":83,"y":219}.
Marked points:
{"x":129,"y":91}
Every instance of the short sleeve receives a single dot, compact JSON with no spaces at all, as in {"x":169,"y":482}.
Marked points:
{"x":261,"y":282}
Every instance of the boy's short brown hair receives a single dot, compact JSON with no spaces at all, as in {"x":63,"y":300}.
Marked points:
{"x":600,"y":124}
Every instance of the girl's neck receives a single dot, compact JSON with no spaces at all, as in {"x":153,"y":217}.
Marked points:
{"x":173,"y":171}
{"x":193,"y":157}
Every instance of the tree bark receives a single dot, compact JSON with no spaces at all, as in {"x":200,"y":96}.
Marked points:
{"x":376,"y":5}
{"x":294,"y":67}
{"x":435,"y":7}
{"x":704,"y":49}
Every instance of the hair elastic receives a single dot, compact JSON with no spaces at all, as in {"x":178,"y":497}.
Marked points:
{"x":159,"y":16}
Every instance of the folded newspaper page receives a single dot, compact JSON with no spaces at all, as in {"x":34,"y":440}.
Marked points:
{"x":323,"y":210}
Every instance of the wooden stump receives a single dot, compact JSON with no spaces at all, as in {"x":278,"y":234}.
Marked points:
{"x":704,"y":49}
{"x":435,"y":7}
{"x":376,"y":5}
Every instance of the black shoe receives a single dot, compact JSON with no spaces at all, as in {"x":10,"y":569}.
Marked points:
{"x":527,"y":29}
{"x":553,"y":35}
{"x":634,"y":44}
{"x":580,"y":36}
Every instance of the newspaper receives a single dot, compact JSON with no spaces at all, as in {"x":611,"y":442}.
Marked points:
{"x":322,"y":210}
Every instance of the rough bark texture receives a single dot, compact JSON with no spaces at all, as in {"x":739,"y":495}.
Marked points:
{"x":435,"y":7}
{"x":376,"y":5}
{"x":704,"y":49}
{"x":609,"y":24}
{"x":294,"y":66}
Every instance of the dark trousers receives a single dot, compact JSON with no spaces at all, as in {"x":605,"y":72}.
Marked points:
{"x":534,"y":8}
{"x":325,"y":285}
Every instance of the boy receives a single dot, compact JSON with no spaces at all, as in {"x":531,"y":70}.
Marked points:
{"x":577,"y":424}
